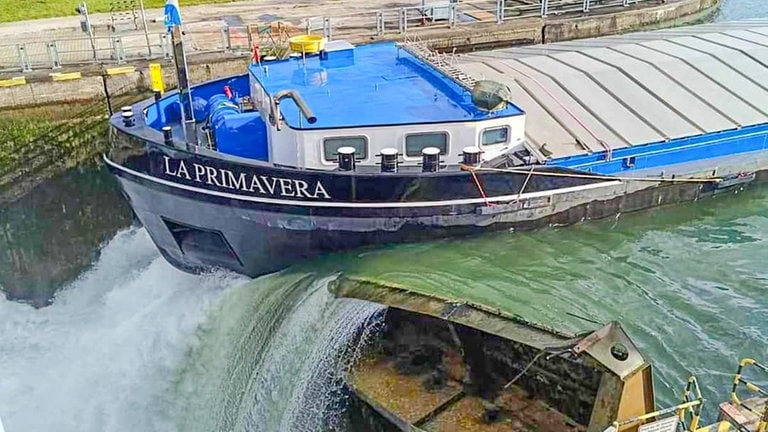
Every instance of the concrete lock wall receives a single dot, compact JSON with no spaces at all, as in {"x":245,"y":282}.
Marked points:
{"x":40,"y":89}
{"x":666,"y":14}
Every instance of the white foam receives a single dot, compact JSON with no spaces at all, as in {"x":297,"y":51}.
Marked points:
{"x":271,"y":357}
{"x":104,"y":356}
{"x":299,"y":379}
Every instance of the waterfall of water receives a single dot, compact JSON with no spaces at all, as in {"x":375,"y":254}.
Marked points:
{"x":274,"y":357}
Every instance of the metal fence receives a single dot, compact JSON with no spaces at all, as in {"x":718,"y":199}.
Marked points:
{"x":55,"y":54}
{"x":238,"y":40}
{"x":428,"y":16}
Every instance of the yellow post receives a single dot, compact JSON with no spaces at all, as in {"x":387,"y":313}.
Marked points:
{"x":156,"y":76}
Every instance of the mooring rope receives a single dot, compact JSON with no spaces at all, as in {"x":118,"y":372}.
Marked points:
{"x":527,"y":179}
{"x":480,"y":188}
{"x":593,"y":176}
{"x":525,"y":369}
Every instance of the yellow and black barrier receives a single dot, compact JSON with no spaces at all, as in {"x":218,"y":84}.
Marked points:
{"x":121,"y":70}
{"x":65,"y":76}
{"x":12,"y":82}
{"x":738,"y":378}
{"x":695,"y":411}
{"x":618,"y":425}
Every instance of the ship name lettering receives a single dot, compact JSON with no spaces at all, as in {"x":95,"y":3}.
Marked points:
{"x":244,"y":182}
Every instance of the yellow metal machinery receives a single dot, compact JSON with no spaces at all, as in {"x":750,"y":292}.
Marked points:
{"x":738,"y":415}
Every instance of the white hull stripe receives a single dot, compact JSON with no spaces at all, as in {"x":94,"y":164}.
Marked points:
{"x":504,"y":198}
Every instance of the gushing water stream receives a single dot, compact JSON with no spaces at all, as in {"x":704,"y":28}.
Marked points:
{"x":260,"y":356}
{"x":103,"y":356}
{"x":274,"y":358}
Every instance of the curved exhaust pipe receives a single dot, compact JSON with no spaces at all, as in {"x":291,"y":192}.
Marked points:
{"x":275,"y":107}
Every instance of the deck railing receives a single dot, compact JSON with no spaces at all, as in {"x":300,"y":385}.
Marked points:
{"x":120,"y":48}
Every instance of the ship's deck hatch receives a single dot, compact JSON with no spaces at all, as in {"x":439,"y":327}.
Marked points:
{"x":205,"y":246}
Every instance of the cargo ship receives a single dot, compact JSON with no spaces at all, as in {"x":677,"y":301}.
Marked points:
{"x":338,"y":146}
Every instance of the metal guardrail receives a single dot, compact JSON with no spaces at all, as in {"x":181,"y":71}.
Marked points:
{"x":239,"y":40}
{"x":431,"y":14}
{"x":55,"y":54}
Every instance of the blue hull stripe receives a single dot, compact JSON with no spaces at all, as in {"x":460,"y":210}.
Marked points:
{"x":683,"y":150}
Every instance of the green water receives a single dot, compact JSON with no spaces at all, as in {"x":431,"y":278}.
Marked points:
{"x":688,"y":282}
{"x":742,"y":9}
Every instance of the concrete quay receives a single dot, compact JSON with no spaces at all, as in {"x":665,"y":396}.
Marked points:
{"x":213,"y":53}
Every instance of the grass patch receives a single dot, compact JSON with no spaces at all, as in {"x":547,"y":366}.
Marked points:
{"x":19,"y":10}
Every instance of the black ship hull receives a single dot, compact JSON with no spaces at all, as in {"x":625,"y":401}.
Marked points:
{"x":204,"y":211}
{"x":198,"y":222}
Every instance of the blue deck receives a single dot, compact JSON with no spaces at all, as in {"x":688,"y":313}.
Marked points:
{"x":378,"y":84}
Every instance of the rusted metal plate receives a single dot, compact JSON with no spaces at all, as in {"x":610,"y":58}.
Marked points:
{"x":473,"y":315}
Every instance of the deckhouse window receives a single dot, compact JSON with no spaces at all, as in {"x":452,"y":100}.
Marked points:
{"x":415,"y":143}
{"x":493,"y":136}
{"x":331,"y":147}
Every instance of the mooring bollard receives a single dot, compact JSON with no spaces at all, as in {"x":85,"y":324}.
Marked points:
{"x":471,"y":156}
{"x":346,"y":158}
{"x":389,"y":160}
{"x":430,"y":159}
{"x":168,"y":135}
{"x":128,"y":119}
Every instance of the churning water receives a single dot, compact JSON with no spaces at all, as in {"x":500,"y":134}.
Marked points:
{"x":103,"y":357}
{"x":134,"y":344}
{"x":259,"y":356}
{"x":273,"y":356}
